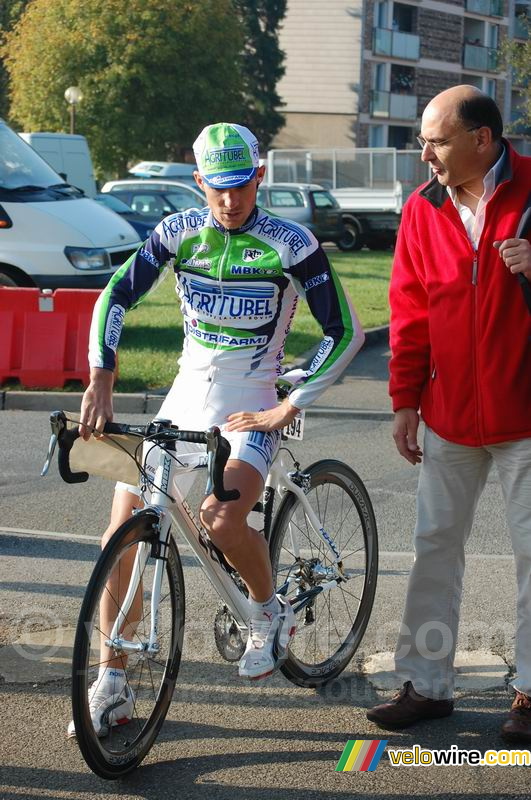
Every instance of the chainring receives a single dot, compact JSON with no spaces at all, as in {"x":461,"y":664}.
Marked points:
{"x":227,"y":635}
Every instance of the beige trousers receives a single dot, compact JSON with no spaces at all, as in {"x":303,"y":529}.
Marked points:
{"x":451,"y":480}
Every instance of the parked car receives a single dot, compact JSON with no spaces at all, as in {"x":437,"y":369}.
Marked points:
{"x":143,"y":225}
{"x":177,"y":170}
{"x":155,"y":198}
{"x":51,"y":235}
{"x":307,"y":203}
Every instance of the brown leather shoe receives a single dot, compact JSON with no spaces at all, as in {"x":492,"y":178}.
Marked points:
{"x":408,"y":707}
{"x":517,"y":726}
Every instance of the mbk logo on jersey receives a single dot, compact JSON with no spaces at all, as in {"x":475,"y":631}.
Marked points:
{"x":237,"y":269}
{"x":251,"y":254}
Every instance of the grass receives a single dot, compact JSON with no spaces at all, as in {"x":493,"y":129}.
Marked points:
{"x":152,"y":337}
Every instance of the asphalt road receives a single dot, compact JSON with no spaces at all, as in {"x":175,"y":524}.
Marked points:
{"x":224,"y":737}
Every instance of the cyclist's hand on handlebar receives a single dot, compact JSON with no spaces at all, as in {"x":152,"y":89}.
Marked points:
{"x":271,"y":419}
{"x":405,"y":429}
{"x":96,"y":405}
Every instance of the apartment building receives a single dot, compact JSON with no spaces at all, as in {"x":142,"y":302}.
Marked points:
{"x":361,"y":72}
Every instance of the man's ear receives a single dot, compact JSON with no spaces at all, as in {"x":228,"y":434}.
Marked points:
{"x":198,"y":179}
{"x":484,"y":139}
{"x":260,"y":173}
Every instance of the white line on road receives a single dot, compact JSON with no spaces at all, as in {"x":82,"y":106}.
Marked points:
{"x":74,"y":537}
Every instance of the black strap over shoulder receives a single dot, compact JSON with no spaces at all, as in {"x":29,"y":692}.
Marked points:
{"x":521,"y":233}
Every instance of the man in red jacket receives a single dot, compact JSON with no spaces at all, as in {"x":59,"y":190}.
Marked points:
{"x":461,"y":353}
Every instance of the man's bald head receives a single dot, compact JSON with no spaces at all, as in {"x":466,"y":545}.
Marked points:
{"x":467,"y":107}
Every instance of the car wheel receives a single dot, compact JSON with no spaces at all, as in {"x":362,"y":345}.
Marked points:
{"x":6,"y":279}
{"x":352,"y":238}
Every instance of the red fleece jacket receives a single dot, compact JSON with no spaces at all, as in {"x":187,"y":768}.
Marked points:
{"x":460,"y":331}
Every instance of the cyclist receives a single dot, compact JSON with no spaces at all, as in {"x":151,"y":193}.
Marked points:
{"x":239,"y":272}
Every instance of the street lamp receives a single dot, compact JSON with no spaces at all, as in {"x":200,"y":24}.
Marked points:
{"x":73,"y":95}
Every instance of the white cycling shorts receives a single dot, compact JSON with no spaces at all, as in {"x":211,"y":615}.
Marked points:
{"x":194,"y":404}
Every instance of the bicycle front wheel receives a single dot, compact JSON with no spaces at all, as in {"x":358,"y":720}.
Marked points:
{"x":331,"y":627}
{"x":150,"y":673}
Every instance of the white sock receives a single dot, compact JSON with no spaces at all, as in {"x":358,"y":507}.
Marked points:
{"x":271,"y":606}
{"x":111,"y":678}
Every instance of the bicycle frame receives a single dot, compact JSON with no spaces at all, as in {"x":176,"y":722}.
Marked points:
{"x":178,"y":513}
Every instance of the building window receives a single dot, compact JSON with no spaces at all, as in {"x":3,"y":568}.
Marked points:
{"x":402,"y":79}
{"x":490,"y":88}
{"x":381,"y":14}
{"x":377,"y":136}
{"x":400,"y":137}
{"x":380,"y":77}
{"x":472,"y":80}
{"x":404,"y":18}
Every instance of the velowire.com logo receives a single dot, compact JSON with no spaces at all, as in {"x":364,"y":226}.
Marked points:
{"x":361,"y":755}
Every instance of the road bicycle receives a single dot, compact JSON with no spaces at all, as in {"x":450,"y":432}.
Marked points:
{"x":320,"y":526}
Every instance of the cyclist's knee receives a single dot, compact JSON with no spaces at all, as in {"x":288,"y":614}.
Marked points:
{"x":224,"y":527}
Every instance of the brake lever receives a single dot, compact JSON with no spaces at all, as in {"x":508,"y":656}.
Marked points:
{"x":58,"y":424}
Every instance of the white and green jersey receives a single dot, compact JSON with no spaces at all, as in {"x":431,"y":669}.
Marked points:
{"x":238,"y":291}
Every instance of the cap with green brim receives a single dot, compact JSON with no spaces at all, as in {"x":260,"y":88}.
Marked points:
{"x":226,"y":154}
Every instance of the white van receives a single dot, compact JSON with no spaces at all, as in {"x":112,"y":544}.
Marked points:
{"x":51,"y":235}
{"x":67,"y":154}
{"x":177,"y":170}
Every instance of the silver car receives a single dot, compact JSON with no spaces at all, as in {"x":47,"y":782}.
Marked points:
{"x":307,"y":203}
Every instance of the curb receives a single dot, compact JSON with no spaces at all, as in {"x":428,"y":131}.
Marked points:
{"x":149,"y":402}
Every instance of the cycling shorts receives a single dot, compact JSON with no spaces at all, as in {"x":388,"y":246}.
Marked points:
{"x":194,"y":404}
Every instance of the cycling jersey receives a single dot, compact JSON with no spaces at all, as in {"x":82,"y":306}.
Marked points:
{"x":238,"y":291}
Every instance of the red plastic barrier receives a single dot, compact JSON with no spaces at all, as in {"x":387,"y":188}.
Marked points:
{"x":44,"y":335}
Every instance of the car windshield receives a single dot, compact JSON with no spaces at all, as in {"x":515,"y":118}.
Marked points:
{"x":181,"y":199}
{"x":286,"y":198}
{"x":324,"y":199}
{"x":114,"y":203}
{"x":20,"y":166}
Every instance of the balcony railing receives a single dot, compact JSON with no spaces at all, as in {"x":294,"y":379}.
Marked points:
{"x":483,"y":59}
{"x":393,"y":106}
{"x":396,"y":43}
{"x":489,"y":8}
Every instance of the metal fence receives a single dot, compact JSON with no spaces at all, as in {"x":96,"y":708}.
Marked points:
{"x":338,"y":168}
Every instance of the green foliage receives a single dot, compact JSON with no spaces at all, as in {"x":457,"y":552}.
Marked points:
{"x":263,"y":66}
{"x":10,"y":11}
{"x":152,"y":74}
{"x":518,"y":57}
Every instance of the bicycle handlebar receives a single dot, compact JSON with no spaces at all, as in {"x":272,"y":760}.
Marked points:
{"x":158,"y":432}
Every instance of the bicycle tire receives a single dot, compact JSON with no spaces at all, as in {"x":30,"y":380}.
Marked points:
{"x":152,"y":679}
{"x":321,"y":651}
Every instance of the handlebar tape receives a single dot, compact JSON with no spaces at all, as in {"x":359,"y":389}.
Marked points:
{"x":223,"y":454}
{"x":66,"y":442}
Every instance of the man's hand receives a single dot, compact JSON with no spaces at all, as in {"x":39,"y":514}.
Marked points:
{"x":96,"y":406}
{"x":516,"y":254}
{"x":271,"y":419}
{"x":405,"y":427}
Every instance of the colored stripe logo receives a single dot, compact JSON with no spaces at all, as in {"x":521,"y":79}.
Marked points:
{"x":361,"y":755}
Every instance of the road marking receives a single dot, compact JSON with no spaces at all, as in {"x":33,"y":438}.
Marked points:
{"x":48,"y":534}
{"x":74,"y":537}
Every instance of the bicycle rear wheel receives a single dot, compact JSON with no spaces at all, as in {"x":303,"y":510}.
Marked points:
{"x":331,"y":627}
{"x":150,"y":677}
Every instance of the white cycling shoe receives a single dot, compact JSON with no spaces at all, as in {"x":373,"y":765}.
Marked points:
{"x":268,"y":642}
{"x":107,"y":709}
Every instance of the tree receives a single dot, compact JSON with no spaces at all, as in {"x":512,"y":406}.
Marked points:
{"x":152,"y":75}
{"x":263,"y":66}
{"x":10,"y":11}
{"x":518,"y":56}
